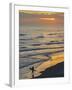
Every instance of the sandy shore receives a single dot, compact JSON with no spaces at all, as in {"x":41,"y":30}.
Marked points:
{"x":53,"y":72}
{"x":55,"y":60}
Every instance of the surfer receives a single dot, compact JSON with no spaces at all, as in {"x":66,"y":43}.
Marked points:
{"x":32,"y":69}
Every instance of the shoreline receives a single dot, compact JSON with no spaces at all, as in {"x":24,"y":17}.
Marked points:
{"x":55,"y":60}
{"x":54,"y":71}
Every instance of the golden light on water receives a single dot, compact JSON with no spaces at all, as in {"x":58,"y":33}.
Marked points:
{"x":55,"y":60}
{"x":45,"y":35}
{"x":51,"y":19}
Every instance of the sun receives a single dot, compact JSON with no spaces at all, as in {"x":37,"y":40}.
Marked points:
{"x":49,"y":19}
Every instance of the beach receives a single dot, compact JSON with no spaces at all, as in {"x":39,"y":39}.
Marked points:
{"x":41,"y":43}
{"x":53,"y":72}
{"x":41,"y":67}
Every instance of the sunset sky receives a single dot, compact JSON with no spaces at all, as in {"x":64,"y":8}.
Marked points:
{"x":38,"y":18}
{"x":35,"y":20}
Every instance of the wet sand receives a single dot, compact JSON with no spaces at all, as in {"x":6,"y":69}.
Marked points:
{"x":56,"y":59}
{"x":53,"y":72}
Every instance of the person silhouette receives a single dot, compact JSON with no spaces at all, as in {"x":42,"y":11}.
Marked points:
{"x":32,"y":69}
